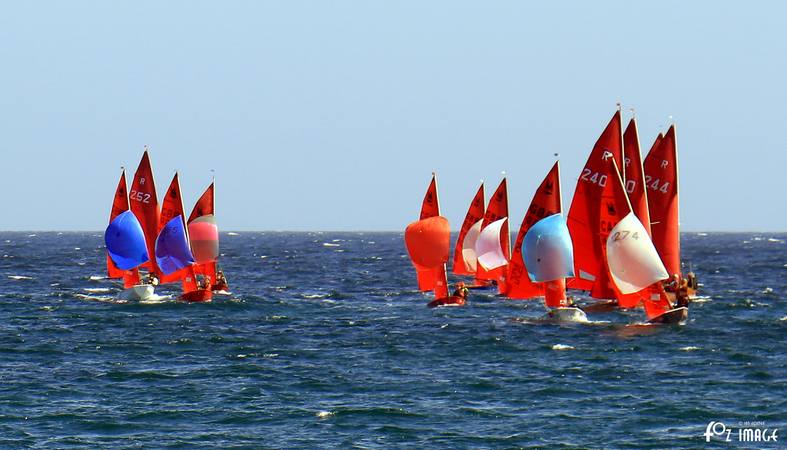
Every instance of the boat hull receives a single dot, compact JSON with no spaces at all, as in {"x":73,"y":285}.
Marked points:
{"x":673,"y":316}
{"x":569,"y":314}
{"x":601,"y":307}
{"x":139,"y":292}
{"x":453,"y":300}
{"x":198,"y":296}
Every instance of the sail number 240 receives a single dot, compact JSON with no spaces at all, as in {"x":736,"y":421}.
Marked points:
{"x":594,"y":177}
{"x":139,"y":196}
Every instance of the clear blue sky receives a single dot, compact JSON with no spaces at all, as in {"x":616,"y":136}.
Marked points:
{"x":331,"y":115}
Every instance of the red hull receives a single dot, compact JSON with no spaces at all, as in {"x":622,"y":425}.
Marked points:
{"x":453,"y":300}
{"x":200,"y":295}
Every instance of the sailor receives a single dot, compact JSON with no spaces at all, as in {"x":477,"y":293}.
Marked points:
{"x":151,"y":279}
{"x":205,"y":282}
{"x":682,"y":294}
{"x":692,"y":280}
{"x":461,"y":290}
{"x":220,"y":280}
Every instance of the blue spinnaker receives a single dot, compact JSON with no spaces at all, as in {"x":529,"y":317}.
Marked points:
{"x":125,"y":241}
{"x":547,"y":250}
{"x":172,"y":247}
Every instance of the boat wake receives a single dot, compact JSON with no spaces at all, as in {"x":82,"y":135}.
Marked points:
{"x":19,"y":277}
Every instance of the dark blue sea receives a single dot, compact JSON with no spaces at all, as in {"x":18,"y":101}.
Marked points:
{"x":326,"y":343}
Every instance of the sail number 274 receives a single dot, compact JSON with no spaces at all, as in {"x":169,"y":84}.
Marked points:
{"x":139,"y":196}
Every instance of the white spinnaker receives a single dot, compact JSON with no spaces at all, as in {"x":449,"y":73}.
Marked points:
{"x":488,"y":247}
{"x":469,"y":255}
{"x":633,"y":260}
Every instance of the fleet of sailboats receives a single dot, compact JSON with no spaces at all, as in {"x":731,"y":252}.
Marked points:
{"x":619,"y":242}
{"x":142,"y":235}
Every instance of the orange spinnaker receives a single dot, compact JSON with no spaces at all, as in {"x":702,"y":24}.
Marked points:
{"x":634,"y":175}
{"x":661,"y":179}
{"x":171,"y":207}
{"x":498,"y":209}
{"x":144,"y":205}
{"x":583,"y":215}
{"x":474,"y":214}
{"x":428,"y":242}
{"x":545,"y":202}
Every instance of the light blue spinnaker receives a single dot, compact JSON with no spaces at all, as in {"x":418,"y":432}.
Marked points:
{"x":547,"y":250}
{"x":125,"y":241}
{"x":172,"y":247}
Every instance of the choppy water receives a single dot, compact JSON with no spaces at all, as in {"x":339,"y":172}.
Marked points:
{"x":325,"y":343}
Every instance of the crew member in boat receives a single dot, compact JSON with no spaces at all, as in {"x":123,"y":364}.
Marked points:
{"x":221,"y":281}
{"x":151,"y":279}
{"x":205,"y":283}
{"x":461,"y":291}
{"x":682,"y":294}
{"x":692,"y":280}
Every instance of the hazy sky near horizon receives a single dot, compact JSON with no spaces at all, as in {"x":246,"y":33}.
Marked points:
{"x":331,"y":115}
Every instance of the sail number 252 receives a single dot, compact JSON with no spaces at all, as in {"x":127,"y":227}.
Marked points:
{"x":139,"y":196}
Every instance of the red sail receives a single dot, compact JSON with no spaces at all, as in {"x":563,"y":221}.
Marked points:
{"x":634,"y":176}
{"x":657,"y":303}
{"x":120,"y":205}
{"x":661,"y":179}
{"x":144,"y":205}
{"x":474,"y":214}
{"x":171,"y":207}
{"x":613,"y":207}
{"x":498,"y":209}
{"x":583,"y":216}
{"x":546,"y":202}
{"x":431,"y":205}
{"x":204,"y":205}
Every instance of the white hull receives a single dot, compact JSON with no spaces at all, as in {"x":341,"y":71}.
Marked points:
{"x":140,"y":292}
{"x":567,"y":315}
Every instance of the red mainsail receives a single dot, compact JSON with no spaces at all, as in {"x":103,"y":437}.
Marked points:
{"x":497,"y":209}
{"x":120,"y":205}
{"x":634,"y":176}
{"x":171,"y":207}
{"x":661,"y":179}
{"x":144,"y":205}
{"x":584,"y":214}
{"x":474,"y":214}
{"x":546,"y":202}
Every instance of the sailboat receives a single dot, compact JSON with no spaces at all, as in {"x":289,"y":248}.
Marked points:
{"x":465,"y":258}
{"x":126,"y":247}
{"x":204,"y":237}
{"x":661,"y":179}
{"x":492,"y":246}
{"x":584,"y":217}
{"x":628,"y":256}
{"x":428,"y":241}
{"x":173,"y":252}
{"x":543,"y":255}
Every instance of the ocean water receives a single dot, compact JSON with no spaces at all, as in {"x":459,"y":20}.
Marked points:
{"x":325,"y":343}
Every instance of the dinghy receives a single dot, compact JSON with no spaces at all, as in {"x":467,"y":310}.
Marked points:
{"x":173,"y":252}
{"x":492,"y":247}
{"x":543,"y":255}
{"x":204,"y":238}
{"x":465,"y":258}
{"x":428,"y":241}
{"x":126,"y":246}
{"x":661,"y":180}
